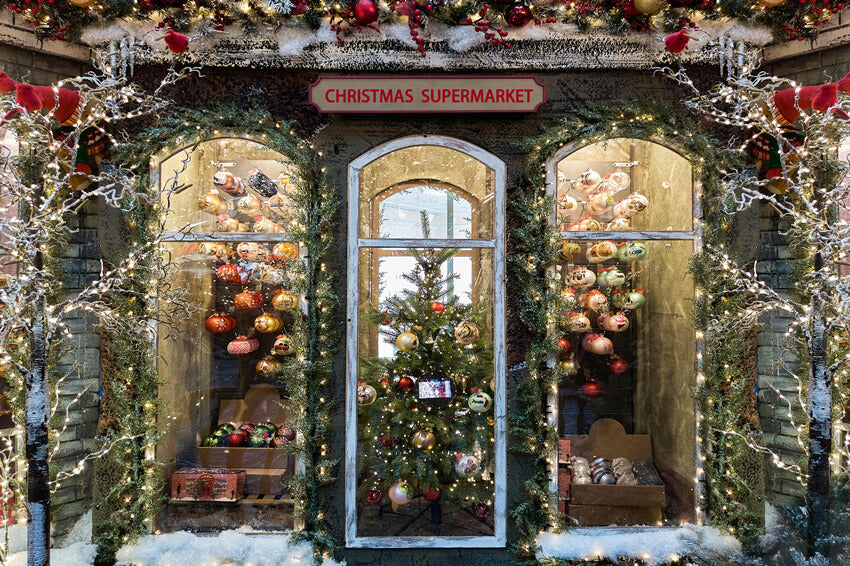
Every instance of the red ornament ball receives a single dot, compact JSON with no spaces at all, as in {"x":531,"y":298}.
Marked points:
{"x":438,"y":307}
{"x":405,"y":384}
{"x":219,"y":323}
{"x":365,"y":12}
{"x":374,"y":496}
{"x":388,"y":441}
{"x":431,"y":494}
{"x":564,"y":346}
{"x":238,"y":438}
{"x":481,"y":510}
{"x":618,"y":366}
{"x":518,"y":16}
{"x":592,"y":389}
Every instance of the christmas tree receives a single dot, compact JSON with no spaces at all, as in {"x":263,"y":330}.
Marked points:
{"x":426,"y":414}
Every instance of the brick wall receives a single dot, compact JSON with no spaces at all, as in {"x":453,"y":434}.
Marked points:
{"x":38,"y":68}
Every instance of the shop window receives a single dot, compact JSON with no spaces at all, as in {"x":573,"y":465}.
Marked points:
{"x":425,"y":447}
{"x":226,"y":417}
{"x":625,"y":411}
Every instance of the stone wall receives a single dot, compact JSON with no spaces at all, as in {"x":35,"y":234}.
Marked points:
{"x":38,"y":68}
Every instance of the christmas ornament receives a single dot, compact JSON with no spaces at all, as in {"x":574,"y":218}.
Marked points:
{"x":617,"y":181}
{"x":479,"y":401}
{"x":256,"y":440}
{"x":219,"y":323}
{"x":252,"y":251}
{"x":677,"y":42}
{"x":283,"y":345}
{"x":597,"y":344}
{"x":634,"y":299}
{"x":212,"y":203}
{"x":247,"y":300}
{"x":267,"y":366}
{"x":268,"y":322}
{"x":431,"y":494}
{"x":242,"y":345}
{"x":618,"y":366}
{"x":261,"y":183}
{"x":570,"y":366}
{"x":466,"y":465}
{"x":631,"y":251}
{"x":285,"y":251}
{"x":366,"y":394}
{"x":288,"y":433}
{"x":564,"y":346}
{"x":405,"y":384}
{"x":407,"y":341}
{"x":263,"y":225}
{"x":577,"y":322}
{"x":175,"y":41}
{"x":400,"y":493}
{"x":599,"y":203}
{"x":630,"y":205}
{"x":518,"y":15}
{"x":481,"y":510}
{"x":236,"y":439}
{"x":217,"y":249}
{"x":585,"y":224}
{"x":611,"y":277}
{"x":591,"y":389}
{"x":387,"y":441}
{"x":270,"y":274}
{"x":230,"y":273}
{"x":618,"y":322}
{"x":423,"y":440}
{"x":224,"y":223}
{"x":587,"y":181}
{"x":374,"y":496}
{"x":569,"y":250}
{"x":270,"y":425}
{"x":466,"y":332}
{"x":619,"y":224}
{"x":365,"y":12}
{"x":618,"y":298}
{"x":438,"y":307}
{"x":283,"y":300}
{"x":581,"y":277}
{"x":567,"y":204}
{"x":601,"y":251}
{"x":568,"y":295}
{"x":249,"y":205}
{"x":247,"y":426}
{"x":771,"y":3}
{"x":209,"y":441}
{"x":225,"y":181}
{"x":648,"y":7}
{"x":593,"y":299}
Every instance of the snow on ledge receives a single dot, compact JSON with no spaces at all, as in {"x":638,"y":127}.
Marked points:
{"x":652,"y":545}
{"x":231,"y":548}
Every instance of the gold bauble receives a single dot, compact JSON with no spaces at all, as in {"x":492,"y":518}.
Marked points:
{"x":283,"y":300}
{"x":268,"y":322}
{"x":82,"y":3}
{"x":466,"y":332}
{"x":423,"y":440}
{"x":285,"y":251}
{"x":778,"y":185}
{"x":569,"y":250}
{"x":771,"y":3}
{"x":268,"y":366}
{"x":407,"y":342}
{"x":366,"y":394}
{"x":649,"y":7}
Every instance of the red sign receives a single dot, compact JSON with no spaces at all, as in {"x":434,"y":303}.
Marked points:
{"x":436,"y":94}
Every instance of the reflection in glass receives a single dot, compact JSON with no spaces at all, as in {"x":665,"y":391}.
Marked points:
{"x":449,"y":213}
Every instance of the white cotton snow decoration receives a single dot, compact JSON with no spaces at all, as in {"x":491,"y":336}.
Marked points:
{"x":461,"y":38}
{"x":75,"y":548}
{"x":653,"y":546}
{"x":400,"y":32}
{"x":102,"y":33}
{"x":229,"y":547}
{"x":292,"y":40}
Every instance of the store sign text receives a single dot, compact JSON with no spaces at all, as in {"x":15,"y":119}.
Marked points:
{"x":427,"y":94}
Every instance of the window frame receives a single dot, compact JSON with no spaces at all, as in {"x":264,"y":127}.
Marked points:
{"x":696,"y":236}
{"x":497,"y":244}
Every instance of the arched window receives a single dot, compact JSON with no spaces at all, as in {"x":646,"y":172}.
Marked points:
{"x":628,"y":215}
{"x":425,"y":446}
{"x":227,"y":222}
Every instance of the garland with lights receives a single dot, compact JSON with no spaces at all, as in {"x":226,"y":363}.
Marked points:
{"x":306,"y":377}
{"x":64,"y":19}
{"x":720,"y":407}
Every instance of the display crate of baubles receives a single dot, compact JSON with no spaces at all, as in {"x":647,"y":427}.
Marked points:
{"x":612,"y":478}
{"x":249,"y":436}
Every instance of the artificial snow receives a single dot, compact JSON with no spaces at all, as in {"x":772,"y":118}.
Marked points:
{"x":653,"y":546}
{"x":229,"y":547}
{"x":75,"y":548}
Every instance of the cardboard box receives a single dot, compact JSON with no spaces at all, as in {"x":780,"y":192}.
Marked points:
{"x":207,"y":484}
{"x":602,"y":505}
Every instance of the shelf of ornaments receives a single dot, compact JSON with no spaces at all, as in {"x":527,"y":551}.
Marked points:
{"x":593,"y":202}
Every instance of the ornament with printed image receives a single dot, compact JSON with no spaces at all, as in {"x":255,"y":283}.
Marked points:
{"x":617,"y":181}
{"x":587,"y":181}
{"x":249,"y":205}
{"x":562,"y":177}
{"x":466,"y":332}
{"x":226,"y":181}
{"x":252,"y":251}
{"x":479,"y":401}
{"x":601,"y":251}
{"x":569,"y":365}
{"x":284,"y":251}
{"x":366,"y":394}
{"x":585,"y":224}
{"x":618,"y":224}
{"x":400,"y":493}
{"x":407,"y":341}
{"x":599,"y":203}
{"x":566,"y":204}
{"x":597,"y":344}
{"x":267,"y":366}
{"x":248,"y":300}
{"x":618,"y":366}
{"x":630,"y":205}
{"x":631,"y":251}
{"x":283,"y":345}
{"x":634,"y":299}
{"x":220,"y":322}
{"x":217,"y":249}
{"x":569,"y":297}
{"x":580,"y":277}
{"x":263,"y":225}
{"x":577,"y":322}
{"x":269,"y":274}
{"x":613,"y":322}
{"x":242,"y":345}
{"x":261,"y":183}
{"x":224,"y":223}
{"x":230,"y":273}
{"x":268,"y":322}
{"x":284,"y":300}
{"x":610,"y":278}
{"x":593,"y":299}
{"x":423,"y":440}
{"x":618,"y":298}
{"x":466,"y":465}
{"x":212,"y":203}
{"x":569,"y":250}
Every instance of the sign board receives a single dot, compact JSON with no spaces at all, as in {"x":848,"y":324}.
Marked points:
{"x":431,"y":94}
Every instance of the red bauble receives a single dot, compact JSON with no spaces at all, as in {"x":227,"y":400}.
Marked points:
{"x":287,"y":433}
{"x":592,"y":389}
{"x":564,"y":346}
{"x":438,"y":307}
{"x":618,"y":366}
{"x":246,"y":300}
{"x":218,"y":323}
{"x":374,"y":496}
{"x":147,"y":4}
{"x":630,"y":10}
{"x":365,"y":12}
{"x":242,"y":345}
{"x":481,"y":510}
{"x":228,"y":273}
{"x":388,"y":441}
{"x":405,"y":384}
{"x":238,"y":438}
{"x":518,"y":16}
{"x":431,"y":494}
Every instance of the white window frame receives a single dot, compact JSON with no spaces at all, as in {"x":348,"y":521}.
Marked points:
{"x":695,"y":235}
{"x":497,"y":245}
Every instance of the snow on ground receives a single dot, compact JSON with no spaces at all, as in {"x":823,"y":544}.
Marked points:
{"x":229,"y":548}
{"x":75,"y":548}
{"x":652,"y":545}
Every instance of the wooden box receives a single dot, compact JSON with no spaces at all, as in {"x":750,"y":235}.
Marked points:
{"x":267,"y":468}
{"x":207,"y":484}
{"x":602,"y":505}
